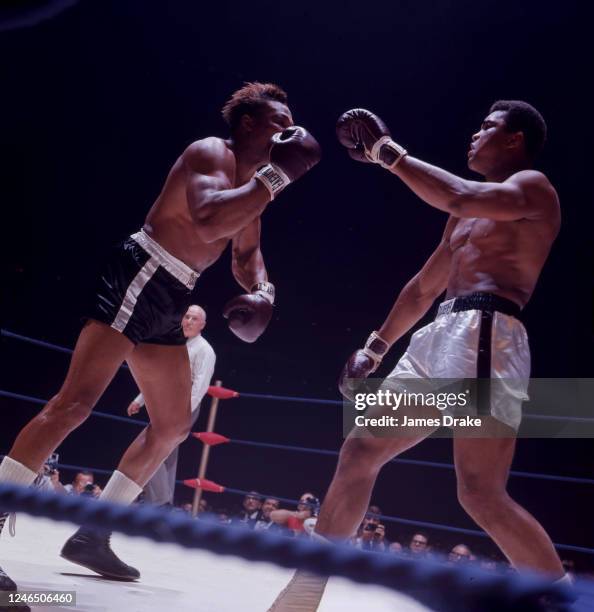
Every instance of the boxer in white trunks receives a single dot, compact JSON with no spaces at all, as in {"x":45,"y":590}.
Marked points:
{"x":496,"y":240}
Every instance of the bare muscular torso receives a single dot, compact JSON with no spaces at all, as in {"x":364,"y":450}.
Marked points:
{"x":169,"y":221}
{"x":501,"y":257}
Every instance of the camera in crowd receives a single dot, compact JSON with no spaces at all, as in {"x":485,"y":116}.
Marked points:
{"x":51,"y":465}
{"x":88,"y":490}
{"x":313,"y":503}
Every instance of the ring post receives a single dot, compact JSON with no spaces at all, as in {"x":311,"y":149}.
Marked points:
{"x":212,"y":416}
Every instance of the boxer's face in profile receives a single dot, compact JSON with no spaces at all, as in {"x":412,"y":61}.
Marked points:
{"x":491,"y":144}
{"x":272,"y":118}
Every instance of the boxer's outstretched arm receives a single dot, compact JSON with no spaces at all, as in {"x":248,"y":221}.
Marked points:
{"x":421,"y":291}
{"x":526,"y":194}
{"x":219,"y":210}
{"x":247,"y":263}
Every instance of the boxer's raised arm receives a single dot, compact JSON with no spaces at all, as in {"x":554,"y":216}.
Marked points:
{"x":524,"y":195}
{"x":218,"y":209}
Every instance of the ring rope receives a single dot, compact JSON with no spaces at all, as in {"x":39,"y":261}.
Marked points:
{"x":318,"y":451}
{"x":419,"y":462}
{"x":474,"y":588}
{"x":41,"y":402}
{"x":383,"y":517}
{"x":287,"y":398}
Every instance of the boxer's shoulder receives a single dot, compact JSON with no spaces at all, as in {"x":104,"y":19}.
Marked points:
{"x":208,"y":154}
{"x":530,"y":178}
{"x":538,"y":192}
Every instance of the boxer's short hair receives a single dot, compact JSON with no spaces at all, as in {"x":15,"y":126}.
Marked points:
{"x":249,"y":100}
{"x":523,"y":117}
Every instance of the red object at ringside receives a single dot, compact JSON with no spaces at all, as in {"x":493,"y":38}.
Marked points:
{"x":211,"y":438}
{"x":222,"y":392}
{"x":204,"y":484}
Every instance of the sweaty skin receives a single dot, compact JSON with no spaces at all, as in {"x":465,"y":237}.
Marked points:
{"x":503,"y":257}
{"x":499,"y":232}
{"x":210,"y":197}
{"x":505,"y":226}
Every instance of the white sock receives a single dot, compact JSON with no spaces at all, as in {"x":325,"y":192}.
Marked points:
{"x":15,"y":472}
{"x":120,"y":489}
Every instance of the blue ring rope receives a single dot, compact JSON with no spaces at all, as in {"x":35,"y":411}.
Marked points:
{"x":418,"y":462}
{"x":317,"y":451}
{"x":286,"y":398}
{"x":473,"y":588}
{"x":384,"y":517}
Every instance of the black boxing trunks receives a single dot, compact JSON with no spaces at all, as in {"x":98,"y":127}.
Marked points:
{"x":143,"y":292}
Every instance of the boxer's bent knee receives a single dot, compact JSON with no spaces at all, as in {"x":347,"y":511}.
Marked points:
{"x":481,"y":497}
{"x":69,"y":411}
{"x":362,"y":454}
{"x":171,"y":433}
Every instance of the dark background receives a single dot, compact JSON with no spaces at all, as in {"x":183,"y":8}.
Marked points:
{"x":99,"y":101}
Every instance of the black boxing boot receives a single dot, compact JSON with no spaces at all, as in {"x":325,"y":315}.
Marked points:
{"x":90,"y":547}
{"x":6,"y":582}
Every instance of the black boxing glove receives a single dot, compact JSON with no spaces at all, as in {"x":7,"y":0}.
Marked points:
{"x":368,"y":138}
{"x":361,"y":364}
{"x":294,"y":151}
{"x":249,"y":314}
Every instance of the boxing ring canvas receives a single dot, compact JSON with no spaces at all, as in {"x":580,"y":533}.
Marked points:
{"x":172,"y":577}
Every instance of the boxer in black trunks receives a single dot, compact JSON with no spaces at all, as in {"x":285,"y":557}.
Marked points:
{"x":214,"y":194}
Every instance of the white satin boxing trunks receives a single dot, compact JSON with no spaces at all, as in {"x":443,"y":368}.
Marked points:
{"x":476,"y":336}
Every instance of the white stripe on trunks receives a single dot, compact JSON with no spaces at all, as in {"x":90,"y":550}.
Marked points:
{"x":134,"y":288}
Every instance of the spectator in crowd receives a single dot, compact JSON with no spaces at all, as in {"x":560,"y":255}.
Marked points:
{"x":489,"y":565}
{"x":308,"y":507}
{"x":419,"y":544}
{"x":460,"y":554}
{"x":372,"y":533}
{"x":222,"y":516}
{"x":83,"y":484}
{"x":395,"y":547}
{"x":250,"y":508}
{"x":264,"y":522}
{"x":202,"y":507}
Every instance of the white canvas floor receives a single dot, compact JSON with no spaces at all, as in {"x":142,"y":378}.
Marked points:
{"x":173,"y":578}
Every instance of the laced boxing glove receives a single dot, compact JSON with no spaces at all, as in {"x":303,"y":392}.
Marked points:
{"x":249,"y":314}
{"x":361,"y":364}
{"x":368,"y":139}
{"x":294,"y":151}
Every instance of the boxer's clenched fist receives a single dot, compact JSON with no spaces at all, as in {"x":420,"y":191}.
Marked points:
{"x":293,"y":152}
{"x":248,"y":315}
{"x":368,"y":138}
{"x":361,"y":364}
